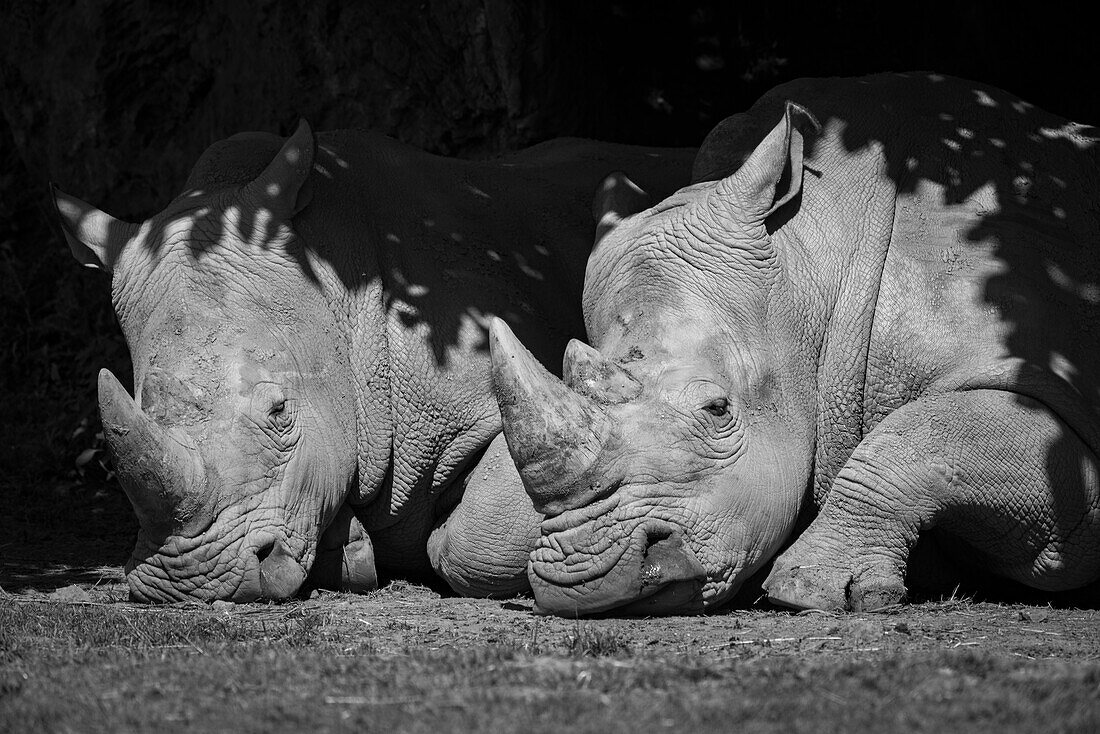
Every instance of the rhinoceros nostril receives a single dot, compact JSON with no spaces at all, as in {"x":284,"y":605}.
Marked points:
{"x":666,"y":560}
{"x":280,"y":574}
{"x":265,"y":550}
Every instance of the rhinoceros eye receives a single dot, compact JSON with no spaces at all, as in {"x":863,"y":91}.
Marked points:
{"x":719,"y":407}
{"x":275,"y":398}
{"x":278,"y":415}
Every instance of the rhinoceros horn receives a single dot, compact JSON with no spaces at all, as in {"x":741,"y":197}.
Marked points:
{"x":160,"y":473}
{"x":554,"y":434}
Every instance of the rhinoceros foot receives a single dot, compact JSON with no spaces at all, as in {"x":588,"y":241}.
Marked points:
{"x":345,"y":557}
{"x":348,"y":568}
{"x":833,"y":587}
{"x":357,"y":572}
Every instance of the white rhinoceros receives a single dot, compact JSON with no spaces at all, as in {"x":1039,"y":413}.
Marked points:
{"x":307,"y":323}
{"x":889,"y":319}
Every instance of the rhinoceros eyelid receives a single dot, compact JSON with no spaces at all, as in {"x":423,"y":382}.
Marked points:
{"x":276,"y":403}
{"x":719,"y":407}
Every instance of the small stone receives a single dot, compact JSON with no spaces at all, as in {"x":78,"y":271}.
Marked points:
{"x":72,"y":593}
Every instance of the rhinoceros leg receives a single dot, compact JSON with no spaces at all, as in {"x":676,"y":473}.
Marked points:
{"x":482,"y":547}
{"x":995,"y":471}
{"x":345,"y":557}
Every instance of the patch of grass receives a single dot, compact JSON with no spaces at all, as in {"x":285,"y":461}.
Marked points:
{"x":320,"y":665}
{"x":587,"y":640}
{"x":35,"y":629}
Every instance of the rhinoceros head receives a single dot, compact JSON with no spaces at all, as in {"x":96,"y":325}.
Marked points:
{"x":672,"y":459}
{"x":239,"y":446}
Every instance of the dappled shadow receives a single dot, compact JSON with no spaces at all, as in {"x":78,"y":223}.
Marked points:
{"x":444,"y":243}
{"x":1001,"y":199}
{"x":992,"y":269}
{"x":73,"y":534}
{"x":17,"y":576}
{"x":411,"y":254}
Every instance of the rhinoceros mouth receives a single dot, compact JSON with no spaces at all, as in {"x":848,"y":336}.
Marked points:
{"x":181,"y":569}
{"x":239,"y":564}
{"x":606,"y":557}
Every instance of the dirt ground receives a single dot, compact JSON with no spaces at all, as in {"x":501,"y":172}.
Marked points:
{"x":408,"y":658}
{"x":403,"y":616}
{"x":82,"y":562}
{"x":481,"y":665}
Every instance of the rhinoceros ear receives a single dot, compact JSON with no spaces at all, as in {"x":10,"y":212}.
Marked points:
{"x":95,"y":237}
{"x":772,"y":174}
{"x":283,"y":187}
{"x":616,"y":199}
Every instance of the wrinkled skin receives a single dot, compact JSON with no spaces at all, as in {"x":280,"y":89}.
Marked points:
{"x":307,"y":325}
{"x":871,"y":311}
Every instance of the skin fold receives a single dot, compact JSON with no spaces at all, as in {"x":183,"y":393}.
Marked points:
{"x":871,"y":318}
{"x":307,"y":322}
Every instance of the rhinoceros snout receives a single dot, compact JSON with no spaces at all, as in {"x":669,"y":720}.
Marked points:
{"x":663,"y":576}
{"x":280,"y":574}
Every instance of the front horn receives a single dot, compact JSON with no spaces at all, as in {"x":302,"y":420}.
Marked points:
{"x":554,"y":434}
{"x":162,"y":476}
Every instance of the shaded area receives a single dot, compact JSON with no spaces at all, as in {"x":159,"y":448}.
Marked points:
{"x":32,"y":575}
{"x":66,"y":533}
{"x":1011,"y":213}
{"x":992,"y":276}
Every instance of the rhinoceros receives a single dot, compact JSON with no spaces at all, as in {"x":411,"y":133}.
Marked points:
{"x":877,"y":308}
{"x":307,"y":323}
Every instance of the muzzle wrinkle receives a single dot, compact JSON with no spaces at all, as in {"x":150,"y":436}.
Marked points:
{"x":219,"y":562}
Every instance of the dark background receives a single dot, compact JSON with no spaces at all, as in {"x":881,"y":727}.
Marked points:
{"x":114,"y":100}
